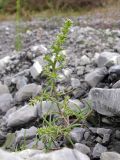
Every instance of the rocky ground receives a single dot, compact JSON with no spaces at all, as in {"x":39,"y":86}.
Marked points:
{"x":92,"y":70}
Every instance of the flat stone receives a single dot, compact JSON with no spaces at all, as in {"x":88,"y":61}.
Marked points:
{"x":27,"y":92}
{"x":96,"y":76}
{"x":110,"y":156}
{"x":22,"y":116}
{"x":6,"y":102}
{"x":105,"y":101}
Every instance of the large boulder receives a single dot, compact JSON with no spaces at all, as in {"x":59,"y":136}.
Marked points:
{"x":105,"y":101}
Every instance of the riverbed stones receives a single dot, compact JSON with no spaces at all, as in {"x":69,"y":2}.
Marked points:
{"x":98,"y":150}
{"x":3,"y":89}
{"x":82,"y":148}
{"x":110,"y":156}
{"x":36,"y":70}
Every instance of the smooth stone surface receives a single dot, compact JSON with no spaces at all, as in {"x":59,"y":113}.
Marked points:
{"x":82,"y":148}
{"x":3,"y":89}
{"x":22,"y":116}
{"x":27,"y":91}
{"x":36,"y":70}
{"x":63,"y":154}
{"x":75,"y":83}
{"x":105,"y":101}
{"x":93,"y":78}
{"x":110,"y":156}
{"x":77,"y":134}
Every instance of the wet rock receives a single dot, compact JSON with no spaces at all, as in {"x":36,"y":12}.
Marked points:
{"x":98,"y":150}
{"x":77,"y":134}
{"x":82,"y":148}
{"x":27,"y":91}
{"x":22,"y":116}
{"x":110,"y":156}
{"x":6,"y":102}
{"x":96,"y":76}
{"x":105,"y":101}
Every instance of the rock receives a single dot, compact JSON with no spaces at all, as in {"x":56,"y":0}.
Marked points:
{"x":84,"y":60}
{"x":3,"y":89}
{"x":96,"y":76}
{"x":82,"y":148}
{"x":98,"y":150}
{"x":110,"y":156}
{"x":6,"y":102}
{"x":27,"y":91}
{"x":117,"y":84}
{"x":63,"y":154}
{"x":105,"y":101}
{"x":37,"y":145}
{"x":36,"y":70}
{"x":114,"y":73}
{"x":77,"y":134}
{"x":10,"y":142}
{"x":107,"y":57}
{"x":22,"y":116}
{"x":20,"y":81}
{"x":8,"y":156}
{"x":25,"y":134}
{"x":2,"y":138}
{"x":3,"y":62}
{"x":39,"y":49}
{"x":80,"y":70}
{"x":75,"y":105}
{"x":67,"y":72}
{"x":117,"y":134}
{"x":103,"y":131}
{"x":75,"y":83}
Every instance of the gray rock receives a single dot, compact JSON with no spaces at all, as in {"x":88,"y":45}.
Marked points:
{"x":20,"y":81}
{"x":103,"y":131}
{"x":77,"y":134}
{"x":6,"y":102}
{"x":105,"y":101}
{"x":98,"y":150}
{"x":25,"y":134}
{"x":107,"y":57}
{"x":3,"y":89}
{"x":110,"y":156}
{"x":36,"y":70}
{"x":82,"y":148}
{"x":117,"y":84}
{"x":67,"y":72}
{"x":75,"y":83}
{"x":96,"y":76}
{"x":39,"y":49}
{"x":22,"y":116}
{"x":64,"y":153}
{"x":115,"y":70}
{"x":8,"y":156}
{"x":27,"y":91}
{"x":84,"y":60}
{"x":80,"y":70}
{"x":3,"y":62}
{"x":117,"y":134}
{"x":37,"y":145}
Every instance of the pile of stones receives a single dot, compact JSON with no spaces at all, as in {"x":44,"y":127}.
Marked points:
{"x":92,"y":71}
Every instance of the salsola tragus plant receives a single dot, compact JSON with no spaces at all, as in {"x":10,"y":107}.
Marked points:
{"x":57,"y":125}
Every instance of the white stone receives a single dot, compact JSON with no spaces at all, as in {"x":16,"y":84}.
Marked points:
{"x":36,"y":70}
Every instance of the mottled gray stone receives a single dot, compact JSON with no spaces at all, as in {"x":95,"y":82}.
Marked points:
{"x":6,"y":102}
{"x":105,"y":101}
{"x":77,"y":134}
{"x":27,"y":91}
{"x":98,"y":150}
{"x":22,"y":116}
{"x":96,"y":76}
{"x":82,"y":148}
{"x":75,"y":83}
{"x":25,"y":133}
{"x":110,"y":156}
